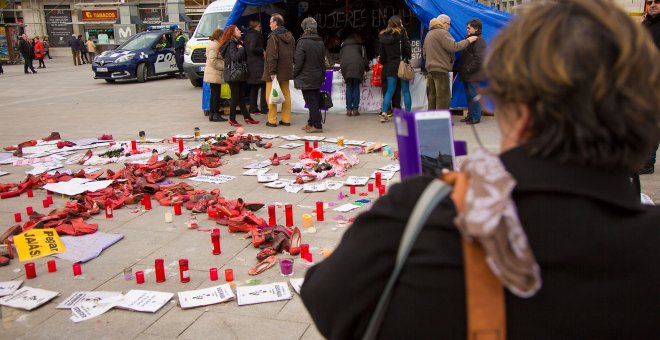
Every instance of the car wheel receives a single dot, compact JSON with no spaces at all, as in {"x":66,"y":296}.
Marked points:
{"x":196,"y":82}
{"x":110,"y":81}
{"x":142,"y":73}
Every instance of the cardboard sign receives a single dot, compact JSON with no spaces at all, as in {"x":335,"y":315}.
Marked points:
{"x":28,"y":298}
{"x":37,"y":243}
{"x":206,"y":296}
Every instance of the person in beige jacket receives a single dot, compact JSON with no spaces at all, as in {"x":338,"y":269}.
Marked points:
{"x":91,"y":50}
{"x":439,"y":48}
{"x":214,"y":74}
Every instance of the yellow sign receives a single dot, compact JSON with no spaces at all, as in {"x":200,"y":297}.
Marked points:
{"x":37,"y":243}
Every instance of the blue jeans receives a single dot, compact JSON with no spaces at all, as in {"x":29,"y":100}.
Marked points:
{"x":474,"y":107}
{"x":352,"y":94}
{"x":391,"y":87}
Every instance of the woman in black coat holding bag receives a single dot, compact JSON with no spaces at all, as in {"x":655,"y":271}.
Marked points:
{"x":254,"y":46}
{"x":233,"y":52}
{"x":394,"y":46}
{"x":309,"y":72}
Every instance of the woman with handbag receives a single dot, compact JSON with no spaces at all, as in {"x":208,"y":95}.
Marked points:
{"x":568,"y":249}
{"x":309,"y":72}
{"x":232,"y":50}
{"x":395,"y":49}
{"x":214,"y":75}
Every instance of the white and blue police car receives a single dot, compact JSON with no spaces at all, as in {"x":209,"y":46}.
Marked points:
{"x":144,"y":55}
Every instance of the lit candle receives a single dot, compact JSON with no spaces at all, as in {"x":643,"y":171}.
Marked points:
{"x":319,"y":211}
{"x":272,"y":220}
{"x":288,"y":210}
{"x":307,"y":147}
{"x":180,"y":145}
{"x":381,"y":190}
{"x":77,"y":269}
{"x":184,"y":272}
{"x":215,"y":239}
{"x":30,"y":271}
{"x":134,"y":145}
{"x":306,"y":220}
{"x":108,"y":208}
{"x":378,"y":178}
{"x":316,"y":144}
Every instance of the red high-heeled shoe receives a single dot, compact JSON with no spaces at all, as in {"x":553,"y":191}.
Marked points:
{"x":251,"y":121}
{"x":296,"y":240}
{"x":234,"y":123}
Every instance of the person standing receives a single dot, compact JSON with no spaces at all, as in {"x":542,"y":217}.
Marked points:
{"x":652,"y":23}
{"x":469,"y":70}
{"x":91,"y":49}
{"x":214,"y":75}
{"x":279,"y":65}
{"x":179,"y":48}
{"x":27,"y":52}
{"x":75,"y":49}
{"x":39,"y":52}
{"x":232,"y":50}
{"x":353,"y":62}
{"x":254,"y":46}
{"x":394,"y":47}
{"x":83,"y":49}
{"x":47,"y":47}
{"x":439,"y":48}
{"x":309,"y":72}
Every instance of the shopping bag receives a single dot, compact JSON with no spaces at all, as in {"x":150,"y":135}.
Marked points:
{"x":377,"y":74}
{"x":225,"y":91}
{"x":275,"y":96}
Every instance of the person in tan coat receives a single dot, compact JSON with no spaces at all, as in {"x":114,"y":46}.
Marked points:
{"x":214,"y":74}
{"x":91,"y":49}
{"x":279,"y":64}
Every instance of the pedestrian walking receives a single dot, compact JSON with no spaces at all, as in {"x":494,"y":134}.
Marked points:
{"x":469,"y":70}
{"x":83,"y":50}
{"x":254,"y":46}
{"x":75,"y":49}
{"x":233,"y":52}
{"x":439,"y":48}
{"x":214,"y":74}
{"x":39,"y":52}
{"x":91,"y":49}
{"x":46,"y":43}
{"x":279,"y":65}
{"x":353,"y":62}
{"x":394,"y":47}
{"x":27,"y":52}
{"x":309,"y":72}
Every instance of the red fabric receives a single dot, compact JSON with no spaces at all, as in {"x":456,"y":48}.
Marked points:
{"x":38,"y":49}
{"x":377,"y":74}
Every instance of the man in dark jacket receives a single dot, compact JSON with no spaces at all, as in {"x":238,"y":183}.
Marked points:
{"x":179,"y":48}
{"x":27,"y":52}
{"x":75,"y":45}
{"x":309,"y":72}
{"x":279,"y":64}
{"x":469,"y":69}
{"x":254,"y":46}
{"x":353,"y":62}
{"x":652,"y":23}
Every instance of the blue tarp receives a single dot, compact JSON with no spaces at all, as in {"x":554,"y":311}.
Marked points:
{"x":460,"y":12}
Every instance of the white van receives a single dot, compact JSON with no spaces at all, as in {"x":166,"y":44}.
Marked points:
{"x":194,"y":58}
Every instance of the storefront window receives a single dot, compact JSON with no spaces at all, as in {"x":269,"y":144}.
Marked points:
{"x":101,"y":35}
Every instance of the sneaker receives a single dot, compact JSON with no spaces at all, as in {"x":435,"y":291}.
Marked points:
{"x":390,"y":114}
{"x":384,"y":118}
{"x":312,"y":129}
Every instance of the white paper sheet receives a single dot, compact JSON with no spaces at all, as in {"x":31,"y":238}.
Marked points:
{"x":256,"y":172}
{"x":297,"y":284}
{"x":313,"y":138}
{"x":290,"y":146}
{"x":279,"y":184}
{"x":86,"y":247}
{"x":78,"y":298}
{"x":267,"y":136}
{"x":2,"y":173}
{"x":333,"y":185}
{"x":30,"y":161}
{"x":28,"y":298}
{"x":206,"y":296}
{"x":384,"y":175}
{"x":353,"y":142}
{"x":346,"y":207}
{"x":265,"y":178}
{"x":390,"y":167}
{"x":314,"y":187}
{"x":330,"y":148}
{"x":9,"y":287}
{"x":218,"y":179}
{"x":145,"y":300}
{"x":38,"y":169}
{"x":91,"y":309}
{"x":293,"y":188}
{"x":356,"y":180}
{"x":77,"y":186}
{"x":258,"y":165}
{"x":277,"y":291}
{"x":291,"y":137}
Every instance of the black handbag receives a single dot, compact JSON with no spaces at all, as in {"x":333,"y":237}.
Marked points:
{"x":235,"y":71}
{"x":326,"y":101}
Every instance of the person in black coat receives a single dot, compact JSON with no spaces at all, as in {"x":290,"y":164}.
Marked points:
{"x":394,"y":46}
{"x":469,"y":70}
{"x":75,"y":49}
{"x":652,"y":23}
{"x":309,"y":72}
{"x":594,"y":245}
{"x":233,"y":51}
{"x":27,"y":52}
{"x":254,"y":46}
{"x":83,"y":50}
{"x":353,"y":62}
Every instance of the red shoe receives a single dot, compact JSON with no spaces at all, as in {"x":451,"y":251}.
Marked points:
{"x":86,"y":157}
{"x":251,"y":121}
{"x":52,"y":136}
{"x":105,"y":137}
{"x":296,"y":239}
{"x":263,"y":265}
{"x":266,"y":253}
{"x":234,"y":123}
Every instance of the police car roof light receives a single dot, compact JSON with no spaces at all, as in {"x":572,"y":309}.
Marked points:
{"x":162,"y":27}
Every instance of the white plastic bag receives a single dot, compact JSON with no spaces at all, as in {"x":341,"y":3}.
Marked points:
{"x":276,"y":95}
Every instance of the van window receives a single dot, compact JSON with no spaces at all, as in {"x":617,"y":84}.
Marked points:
{"x":209,"y":22}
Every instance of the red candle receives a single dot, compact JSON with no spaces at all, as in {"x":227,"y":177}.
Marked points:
{"x":50,"y":199}
{"x":215,"y":239}
{"x":108,"y":208}
{"x":288,"y":210}
{"x":272,"y":220}
{"x":316,"y":144}
{"x":370,"y":187}
{"x":210,"y":212}
{"x":378,"y":178}
{"x":307,"y":148}
{"x":213,"y":274}
{"x":45,"y":203}
{"x":319,"y":211}
{"x":30,"y":193}
{"x":30,"y":271}
{"x":184,"y":272}
{"x":160,"y":270}
{"x":146,"y":201}
{"x":381,"y":190}
{"x":134,"y":145}
{"x":17,"y":217}
{"x":180,"y":145}
{"x":139,"y":277}
{"x":177,"y":209}
{"x":308,"y":257}
{"x":352,"y":189}
{"x":29,"y":211}
{"x":173,"y":139}
{"x":304,"y":250}
{"x":52,"y":266}
{"x":77,"y":269}
{"x":229,"y":275}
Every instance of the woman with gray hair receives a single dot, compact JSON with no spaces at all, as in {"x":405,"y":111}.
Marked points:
{"x":309,"y":72}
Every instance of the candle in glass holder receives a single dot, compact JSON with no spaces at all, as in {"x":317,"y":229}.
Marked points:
{"x":180,"y":145}
{"x":316,"y":144}
{"x":304,"y":250}
{"x":17,"y":217}
{"x":272,"y":220}
{"x":307,"y":220}
{"x":319,"y":211}
{"x":177,"y":209}
{"x":30,"y":271}
{"x":45,"y":203}
{"x":168,"y":217}
{"x":160,"y":270}
{"x":213,"y":274}
{"x":307,"y":147}
{"x":370,"y":187}
{"x":378,"y":176}
{"x":352,"y":190}
{"x":133,"y":145}
{"x":108,"y":208}
{"x":77,"y":269}
{"x":215,"y":239}
{"x":184,"y":271}
{"x":139,"y":277}
{"x":229,"y":275}
{"x":52,"y":266}
{"x":286,"y":267}
{"x":288,"y":210}
{"x":29,"y":211}
{"x":30,"y":193}
{"x":50,"y":199}
{"x":381,"y":190}
{"x":146,"y":201}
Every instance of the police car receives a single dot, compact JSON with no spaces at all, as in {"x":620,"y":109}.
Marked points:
{"x":144,"y":55}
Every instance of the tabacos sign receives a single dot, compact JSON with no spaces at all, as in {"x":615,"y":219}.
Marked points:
{"x":99,"y":15}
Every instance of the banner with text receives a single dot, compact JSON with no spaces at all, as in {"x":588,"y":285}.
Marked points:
{"x":37,"y":243}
